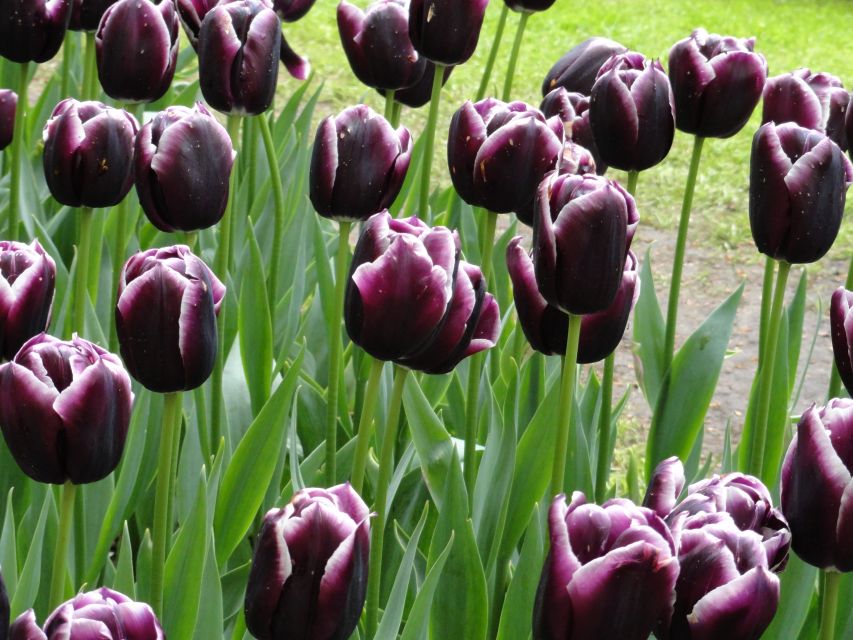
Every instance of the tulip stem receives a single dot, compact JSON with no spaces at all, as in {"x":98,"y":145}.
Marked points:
{"x":429,"y":141}
{"x":81,"y":292}
{"x":60,"y":555}
{"x":564,"y":419}
{"x":602,"y":470}
{"x":389,"y":105}
{"x":678,"y":261}
{"x":278,"y":196}
{"x":17,"y":153}
{"x":513,"y":58}
{"x":377,"y":526}
{"x":829,"y":608}
{"x":90,"y":68}
{"x":835,"y":378}
{"x":765,"y":372}
{"x":65,"y":78}
{"x":766,"y":301}
{"x":368,"y":407}
{"x":633,"y":178}
{"x":493,"y":54}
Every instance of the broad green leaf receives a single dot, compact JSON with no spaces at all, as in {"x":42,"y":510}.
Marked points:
{"x":255,"y":326}
{"x":649,"y":335}
{"x":416,"y":624}
{"x":211,"y":620}
{"x":795,"y":596}
{"x":795,"y":314}
{"x":8,"y":549}
{"x":144,"y":559}
{"x":517,"y":606}
{"x":31,"y":574}
{"x":124,"y":581}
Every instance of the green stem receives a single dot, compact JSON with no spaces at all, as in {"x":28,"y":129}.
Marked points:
{"x":17,"y":152}
{"x":513,"y":58}
{"x":90,"y":68}
{"x":633,"y":178}
{"x":829,"y":610}
{"x":335,"y":349}
{"x":493,"y":54}
{"x":377,"y":526}
{"x":756,"y":459}
{"x":429,"y":141}
{"x":395,"y":115}
{"x":389,"y":104}
{"x":65,"y":79}
{"x":278,"y":197}
{"x":766,"y":301}
{"x":368,"y":407}
{"x":564,"y":420}
{"x":835,"y":378}
{"x":84,"y":248}
{"x":678,"y":261}
{"x":603,"y":467}
{"x":60,"y":555}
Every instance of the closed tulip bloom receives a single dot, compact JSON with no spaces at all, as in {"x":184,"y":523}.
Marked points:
{"x":582,"y":230}
{"x":137,"y":49}
{"x":27,"y":281}
{"x":797,"y":189}
{"x":65,"y":409}
{"x":716,"y":81}
{"x":420,"y":93}
{"x":528,"y":6}
{"x":446,"y":31}
{"x":8,"y":108}
{"x":577,"y":70}
{"x":609,"y":573}
{"x":377,"y":44}
{"x":499,"y":152}
{"x":573,"y":110}
{"x":841,"y":326}
{"x":292,"y":10}
{"x":32,"y":30}
{"x":86,"y":14}
{"x":309,"y":571}
{"x":631,"y":112}
{"x":191,"y":13}
{"x":168,"y":300}
{"x":358,"y":164}
{"x":817,"y":485}
{"x":183,"y":164}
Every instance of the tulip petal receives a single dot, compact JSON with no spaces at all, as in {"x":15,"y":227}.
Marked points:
{"x":789,"y":98}
{"x":197,"y":339}
{"x":602,"y":332}
{"x":844,"y":531}
{"x":105,"y":168}
{"x":467,"y":135}
{"x":271,"y":567}
{"x":297,"y":66}
{"x":219,"y":54}
{"x":553,"y":607}
{"x":614,"y":121}
{"x":139,"y":621}
{"x":529,"y":303}
{"x":769,"y":203}
{"x":665,"y":487}
{"x":25,"y":627}
{"x":258,"y":67}
{"x":324,"y":167}
{"x":652,"y":94}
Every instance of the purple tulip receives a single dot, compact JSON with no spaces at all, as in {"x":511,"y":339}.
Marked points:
{"x":573,"y":110}
{"x":32,"y":30}
{"x":528,"y":6}
{"x":377,"y":44}
{"x":65,"y":409}
{"x":412,"y":300}
{"x":183,"y":165}
{"x":309,"y":570}
{"x":631,"y":112}
{"x":817,"y":486}
{"x":499,"y":152}
{"x":103,"y":614}
{"x":168,"y":300}
{"x":716,"y":81}
{"x":841,"y":326}
{"x":86,"y":14}
{"x":582,"y":230}
{"x":446,"y":31}
{"x":88,"y":153}
{"x":292,"y":10}
{"x":137,"y":49}
{"x":191,"y":13}
{"x":797,"y":188}
{"x":420,"y":93}
{"x":8,"y":108}
{"x":358,"y":164}
{"x":577,"y":70}
{"x":609,"y":574}
{"x":665,"y":487}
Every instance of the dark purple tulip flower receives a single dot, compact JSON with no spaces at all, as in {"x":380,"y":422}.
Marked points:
{"x":292,"y":10}
{"x":88,"y":153}
{"x":716,"y":81}
{"x":4,"y":610}
{"x":573,"y":110}
{"x":191,"y":13}
{"x":420,"y":93}
{"x":137,"y":49}
{"x":797,"y":188}
{"x":609,"y":574}
{"x":358,"y":164}
{"x":8,"y":108}
{"x":582,"y":230}
{"x":86,"y":14}
{"x":446,"y":31}
{"x":812,"y":100}
{"x":528,"y":6}
{"x":27,"y":280}
{"x":103,"y":614}
{"x":65,"y":409}
{"x":309,"y":570}
{"x":499,"y":152}
{"x":377,"y":44}
{"x":547,"y":328}
{"x":631,"y":112}
{"x":183,"y":164}
{"x":410,"y":298}
{"x":32,"y":30}
{"x":577,"y":70}
{"x":817,"y":485}
{"x":841,"y":325}
{"x":168,"y":300}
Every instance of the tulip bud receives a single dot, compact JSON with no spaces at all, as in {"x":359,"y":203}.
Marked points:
{"x":65,"y":409}
{"x":528,"y":6}
{"x":573,"y":110}
{"x":797,"y":188}
{"x":420,"y":93}
{"x":32,"y":30}
{"x":191,"y":13}
{"x":309,"y":570}
{"x":577,"y":70}
{"x":582,"y":230}
{"x":8,"y":108}
{"x":499,"y":152}
{"x":377,"y":44}
{"x":88,"y":153}
{"x":716,"y":81}
{"x":410,"y":299}
{"x":446,"y":31}
{"x":86,"y":14}
{"x":183,"y":165}
{"x":631,"y":112}
{"x":137,"y":49}
{"x":609,"y":574}
{"x":817,"y":485}
{"x":665,"y":486}
{"x":346,"y":183}
{"x":166,"y":312}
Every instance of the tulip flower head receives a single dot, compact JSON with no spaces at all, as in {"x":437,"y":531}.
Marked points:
{"x":309,"y":571}
{"x":446,"y":31}
{"x":8,"y":108}
{"x":65,"y":409}
{"x":577,"y":70}
{"x":86,"y":14}
{"x":32,"y":30}
{"x":183,"y":165}
{"x":573,"y":110}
